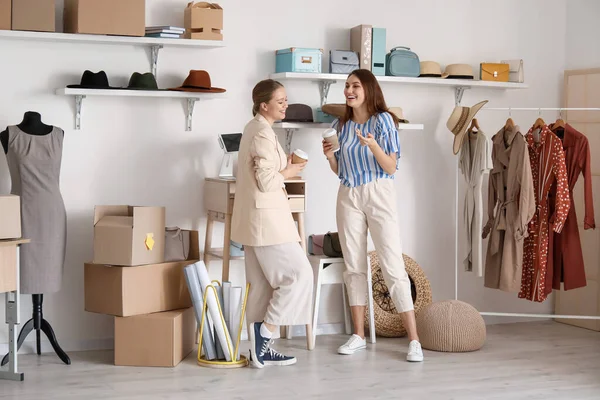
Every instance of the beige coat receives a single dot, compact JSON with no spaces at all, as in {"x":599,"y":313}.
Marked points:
{"x":261,"y":212}
{"x":511,"y":205}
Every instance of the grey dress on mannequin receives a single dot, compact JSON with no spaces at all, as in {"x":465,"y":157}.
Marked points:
{"x":34,"y":162}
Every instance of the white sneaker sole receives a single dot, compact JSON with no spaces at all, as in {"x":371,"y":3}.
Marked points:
{"x":347,"y":352}
{"x":414,"y":358}
{"x":281,"y":363}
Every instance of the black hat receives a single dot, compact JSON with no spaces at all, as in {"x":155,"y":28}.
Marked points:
{"x":91,"y":80}
{"x":298,"y":113}
{"x":145,"y":81}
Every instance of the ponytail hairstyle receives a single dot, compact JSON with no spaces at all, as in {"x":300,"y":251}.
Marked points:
{"x":263,"y":93}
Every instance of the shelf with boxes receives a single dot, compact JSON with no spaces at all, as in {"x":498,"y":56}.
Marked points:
{"x":191,"y":98}
{"x":459,"y":85}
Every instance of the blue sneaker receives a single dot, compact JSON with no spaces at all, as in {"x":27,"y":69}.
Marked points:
{"x":259,"y":345}
{"x":273,"y":357}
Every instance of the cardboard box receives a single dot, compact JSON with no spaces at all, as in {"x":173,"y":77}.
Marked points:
{"x":105,"y":17}
{"x":8,"y":270}
{"x":10,"y":216}
{"x":155,"y":340}
{"x":127,"y":291}
{"x":129,"y":235}
{"x":34,"y":15}
{"x":203,"y":21}
{"x":5,"y":14}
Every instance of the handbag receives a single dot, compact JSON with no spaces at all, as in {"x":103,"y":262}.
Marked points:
{"x":516,"y":72}
{"x":494,"y":72}
{"x":315,"y":245}
{"x":331,"y":245}
{"x":177,"y":244}
{"x":400,"y":61}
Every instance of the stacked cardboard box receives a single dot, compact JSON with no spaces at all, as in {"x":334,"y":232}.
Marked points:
{"x":203,"y":21}
{"x":129,"y":279}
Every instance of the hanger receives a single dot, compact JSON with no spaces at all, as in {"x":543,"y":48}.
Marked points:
{"x":560,"y":123}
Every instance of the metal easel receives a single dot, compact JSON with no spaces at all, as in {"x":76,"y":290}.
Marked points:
{"x":504,"y":314}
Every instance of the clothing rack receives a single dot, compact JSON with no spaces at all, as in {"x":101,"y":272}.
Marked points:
{"x":508,"y":314}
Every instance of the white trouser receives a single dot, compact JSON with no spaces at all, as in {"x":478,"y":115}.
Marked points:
{"x":281,"y":284}
{"x":372,"y":207}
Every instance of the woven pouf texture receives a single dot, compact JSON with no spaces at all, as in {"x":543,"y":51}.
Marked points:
{"x":388,"y":322}
{"x":452,"y":326}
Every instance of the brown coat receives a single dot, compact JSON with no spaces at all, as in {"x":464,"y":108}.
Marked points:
{"x":261,"y":211}
{"x":511,"y":205}
{"x":566,"y":265}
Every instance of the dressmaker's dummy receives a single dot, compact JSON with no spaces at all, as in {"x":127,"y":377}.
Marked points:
{"x":34,"y":154}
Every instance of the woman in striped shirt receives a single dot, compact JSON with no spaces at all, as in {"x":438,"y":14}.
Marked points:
{"x":365,"y":164}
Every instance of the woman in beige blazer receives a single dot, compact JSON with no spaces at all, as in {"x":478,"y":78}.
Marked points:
{"x":277,"y":268}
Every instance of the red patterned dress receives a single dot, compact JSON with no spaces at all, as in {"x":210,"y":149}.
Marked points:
{"x":548,"y":168}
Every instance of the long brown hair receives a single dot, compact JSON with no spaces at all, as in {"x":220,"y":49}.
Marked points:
{"x":373,"y":97}
{"x":263,"y":93}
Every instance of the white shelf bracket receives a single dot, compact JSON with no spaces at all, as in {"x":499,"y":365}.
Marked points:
{"x":324,"y":90}
{"x":289,"y":135}
{"x":154,"y":58}
{"x":190,"y":114}
{"x":458,"y":94}
{"x":78,"y":105}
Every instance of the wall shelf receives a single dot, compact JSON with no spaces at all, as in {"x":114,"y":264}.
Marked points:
{"x":459,"y":85}
{"x":191,"y":98}
{"x":291,"y":127}
{"x":155,"y":44}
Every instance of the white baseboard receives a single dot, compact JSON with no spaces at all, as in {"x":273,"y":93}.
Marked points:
{"x":68,"y":346}
{"x":108,"y":343}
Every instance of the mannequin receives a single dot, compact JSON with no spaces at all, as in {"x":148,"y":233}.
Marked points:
{"x":32,"y":125}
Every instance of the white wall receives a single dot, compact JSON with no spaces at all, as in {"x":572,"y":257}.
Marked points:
{"x":582,"y":32}
{"x":136,"y":151}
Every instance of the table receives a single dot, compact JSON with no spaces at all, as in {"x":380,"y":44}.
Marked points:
{"x":219,"y":195}
{"x":9,"y":285}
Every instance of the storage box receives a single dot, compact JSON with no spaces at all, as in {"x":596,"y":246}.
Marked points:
{"x":10,"y":217}
{"x":105,"y":17}
{"x":296,"y":59}
{"x":378,"y":51}
{"x":127,"y":291}
{"x":361,"y":41}
{"x":342,"y":61}
{"x":34,"y":15}
{"x":155,"y":340}
{"x":203,"y":21}
{"x":5,"y":14}
{"x":129,"y":235}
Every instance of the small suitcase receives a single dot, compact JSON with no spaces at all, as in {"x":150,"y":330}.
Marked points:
{"x":343,"y":61}
{"x":400,"y":61}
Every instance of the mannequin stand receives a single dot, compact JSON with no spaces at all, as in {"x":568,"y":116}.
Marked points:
{"x":38,"y":323}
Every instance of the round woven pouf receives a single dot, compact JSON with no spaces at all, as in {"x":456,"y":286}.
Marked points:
{"x":452,"y":326}
{"x":388,"y":322}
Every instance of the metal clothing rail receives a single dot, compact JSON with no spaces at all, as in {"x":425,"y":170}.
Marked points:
{"x":508,"y":314}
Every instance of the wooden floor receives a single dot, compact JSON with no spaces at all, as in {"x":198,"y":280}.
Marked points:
{"x":541,"y":360}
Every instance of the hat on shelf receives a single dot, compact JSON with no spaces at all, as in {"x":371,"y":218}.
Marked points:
{"x":145,"y":81}
{"x":198,"y":81}
{"x":430,"y":69}
{"x":298,"y":113}
{"x":459,"y":121}
{"x":458,"y":71}
{"x":335,"y":110}
{"x":93,"y":80}
{"x":399,"y":113}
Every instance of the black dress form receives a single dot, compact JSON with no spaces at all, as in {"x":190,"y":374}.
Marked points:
{"x":32,"y":124}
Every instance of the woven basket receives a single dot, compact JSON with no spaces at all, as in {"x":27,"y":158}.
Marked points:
{"x":388,"y":322}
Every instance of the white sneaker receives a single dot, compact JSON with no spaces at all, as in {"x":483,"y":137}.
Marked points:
{"x":354,"y":344}
{"x":415,"y":353}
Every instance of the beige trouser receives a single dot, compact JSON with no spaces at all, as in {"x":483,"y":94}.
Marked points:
{"x":373,"y":207}
{"x":281,"y":285}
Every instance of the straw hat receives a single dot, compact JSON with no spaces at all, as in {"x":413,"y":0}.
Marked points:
{"x":430,"y":69}
{"x":458,"y":71}
{"x":459,"y":121}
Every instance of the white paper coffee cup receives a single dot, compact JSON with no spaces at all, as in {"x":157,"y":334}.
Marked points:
{"x":299,"y":156}
{"x":330,"y":136}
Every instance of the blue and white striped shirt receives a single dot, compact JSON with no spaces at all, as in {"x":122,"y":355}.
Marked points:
{"x":356,"y":164}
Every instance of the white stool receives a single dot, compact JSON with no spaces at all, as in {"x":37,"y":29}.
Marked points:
{"x":333,"y":274}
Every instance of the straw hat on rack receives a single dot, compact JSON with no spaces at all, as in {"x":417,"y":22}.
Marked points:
{"x":459,"y":121}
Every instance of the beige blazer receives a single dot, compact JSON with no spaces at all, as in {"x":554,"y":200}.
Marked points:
{"x":261,"y":211}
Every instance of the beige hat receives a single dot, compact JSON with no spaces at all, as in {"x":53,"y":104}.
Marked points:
{"x":458,"y":71}
{"x":430,"y":69}
{"x":338,"y":110}
{"x":459,"y":121}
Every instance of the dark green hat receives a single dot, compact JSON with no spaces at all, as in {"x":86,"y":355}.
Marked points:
{"x":145,"y":81}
